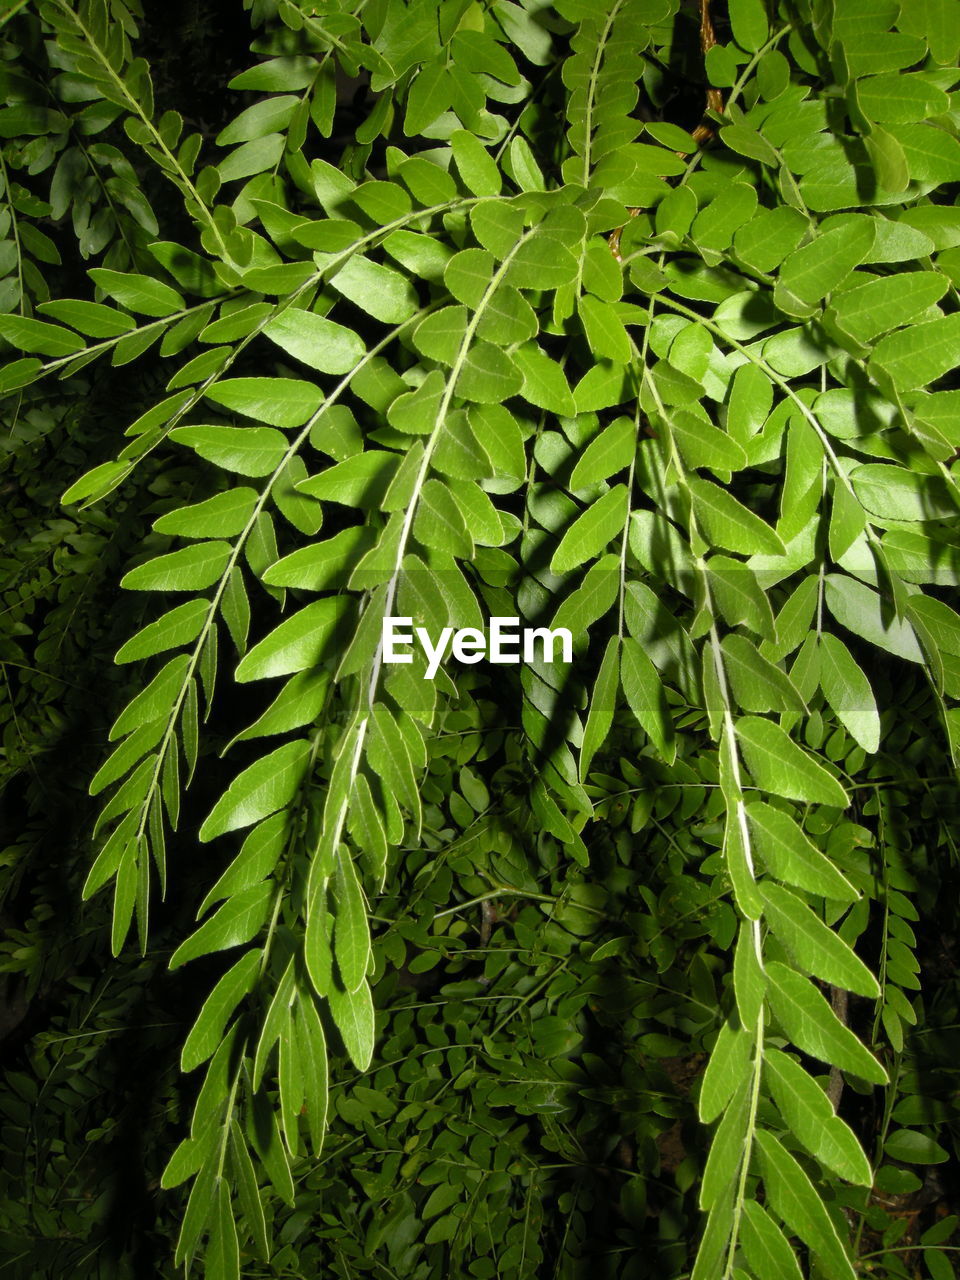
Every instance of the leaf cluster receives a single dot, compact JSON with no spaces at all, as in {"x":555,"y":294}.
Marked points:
{"x":460,"y":319}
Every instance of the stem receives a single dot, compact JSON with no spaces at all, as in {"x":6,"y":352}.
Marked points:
{"x":200,"y":643}
{"x":13,"y":11}
{"x":405,"y":531}
{"x":748,"y":1147}
{"x":136,"y":109}
{"x":592,"y":92}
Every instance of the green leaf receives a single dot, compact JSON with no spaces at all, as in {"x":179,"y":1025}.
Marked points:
{"x":290,"y":1081}
{"x":749,"y":982}
{"x":542,"y":262}
{"x":889,"y":159}
{"x":367,"y":823}
{"x":20,"y":373}
{"x":263,"y":1133}
{"x":279,"y":280}
{"x":390,"y":759}
{"x":186,"y":1161}
{"x":381,"y":291}
{"x":321,"y":566}
{"x":919,"y":355}
{"x":304,"y":513}
{"x":703,"y":445}
{"x":769,"y":237}
{"x":222,"y":516}
{"x":421,"y":255}
{"x":790,"y":855}
{"x":814,"y":270}
{"x":739,"y":596}
{"x":765,"y":1247}
{"x":592,"y":530}
{"x":429,"y":183}
{"x":726,"y":1149}
{"x":91,"y":318}
{"x":261,"y":789}
{"x":275,"y":1024}
{"x":353,"y":1014}
{"x":912,"y":1147}
{"x":237,"y":921}
{"x":298,"y":643}
{"x":488,"y":375}
{"x":497,"y":430}
{"x":125,"y":756}
{"x":312,"y":1050}
{"x":902,"y":98}
{"x":257,"y":858}
{"x":207,"y":1032}
{"x":847,"y":521}
{"x":222,"y":1258}
{"x":607,"y":453}
{"x":382,"y":201}
{"x":779,"y":765}
{"x":714,"y":226}
{"x":757,"y":684}
{"x":139,"y":293}
{"x":281,"y":402}
{"x":429,"y":96}
{"x":190,"y":569}
{"x":177,"y":627}
{"x":813,"y":1026}
{"x":196,"y":1218}
{"x":154,"y":701}
{"x":894,"y":493}
{"x":940,"y":622}
{"x":543,"y":382}
{"x":794,"y":619}
{"x":604,"y":330}
{"x":643,"y":689}
{"x":359,"y":481}
{"x":351,"y":935}
{"x":264,"y":117}
{"x":602,"y":706}
{"x":38,"y":337}
{"x":809,"y":1114}
{"x":298,"y":703}
{"x":316,"y":341}
{"x":737,"y":854}
{"x":440,"y":335}
{"x":497,"y":225}
{"x":887,"y":303}
{"x":248,"y":1192}
{"x":791,"y":1194}
{"x":256,"y":156}
{"x":439,"y":521}
{"x":593,"y":598}
{"x":848,"y":692}
{"x":474,"y":164}
{"x":726,"y":1069}
{"x":250,"y":451}
{"x":727,"y":523}
{"x":457,"y":452}
{"x":415,"y":412}
{"x":813,"y":945}
{"x":748,"y":18}
{"x":715,"y":1241}
{"x":748,"y":142}
{"x":862,"y":611}
{"x":467,"y":275}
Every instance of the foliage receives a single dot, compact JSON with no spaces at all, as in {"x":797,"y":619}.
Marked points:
{"x":470,"y":310}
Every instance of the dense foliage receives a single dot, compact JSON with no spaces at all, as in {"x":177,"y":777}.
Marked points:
{"x":635,"y":317}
